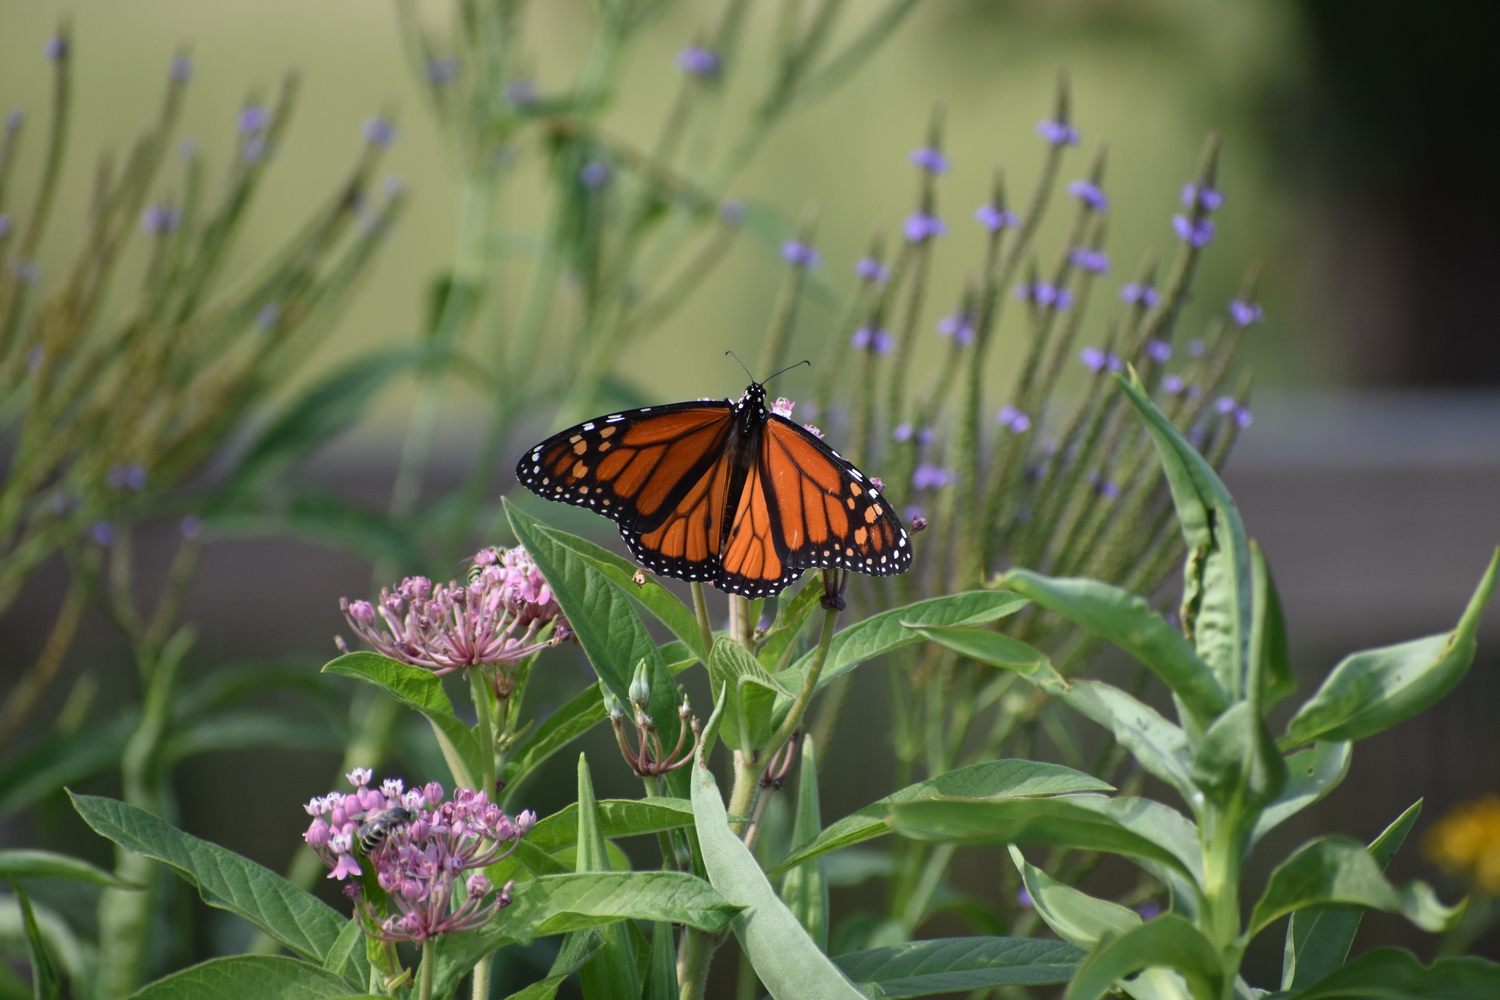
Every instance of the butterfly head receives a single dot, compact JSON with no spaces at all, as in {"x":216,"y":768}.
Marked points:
{"x":753,"y":401}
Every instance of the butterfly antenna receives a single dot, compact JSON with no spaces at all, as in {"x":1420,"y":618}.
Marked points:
{"x":737,"y":361}
{"x":786,"y":369}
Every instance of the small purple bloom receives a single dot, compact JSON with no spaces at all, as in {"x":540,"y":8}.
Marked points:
{"x":1242,"y":416}
{"x":126,"y":477}
{"x":253,"y":118}
{"x":929,"y":159}
{"x":1093,"y":359}
{"x":103,"y":532}
{"x":1103,"y":486}
{"x":928,"y":476}
{"x":181,"y":70}
{"x":995,"y":219}
{"x":595,"y":174}
{"x":1016,"y":420}
{"x":379,"y":132}
{"x":870,"y":269}
{"x":1023,"y":899}
{"x":1090,"y":194}
{"x":56,"y":48}
{"x":1195,"y":348}
{"x":1149,"y":910}
{"x":267,"y":315}
{"x":1171,"y":385}
{"x":921,"y":227}
{"x":1209,"y":198}
{"x":1194,"y":234}
{"x":1138,"y":294}
{"x":1057,"y":133}
{"x":521,"y":93}
{"x":443,"y":70}
{"x":958,"y":326}
{"x":700,"y":62}
{"x":1158,"y":351}
{"x":881,"y":340}
{"x":1244,"y":313}
{"x":191,"y":525}
{"x":157,"y":219}
{"x":800,"y":254}
{"x":14,"y":119}
{"x":732,"y":213}
{"x":901,"y":433}
{"x":911,"y":513}
{"x":1093,"y":261}
{"x":1225,"y":404}
{"x":925,"y":436}
{"x":1042,"y":294}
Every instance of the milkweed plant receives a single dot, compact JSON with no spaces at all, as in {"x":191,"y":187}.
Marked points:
{"x":1045,"y":528}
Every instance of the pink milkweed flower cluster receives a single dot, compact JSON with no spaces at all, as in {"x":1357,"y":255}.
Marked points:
{"x":421,"y":859}
{"x":494,"y":618}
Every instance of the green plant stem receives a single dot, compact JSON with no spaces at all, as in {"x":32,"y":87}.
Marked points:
{"x":809,"y":686}
{"x":424,"y":974}
{"x":481,"y":977}
{"x":693,"y":962}
{"x":478,"y":690}
{"x":700,"y":609}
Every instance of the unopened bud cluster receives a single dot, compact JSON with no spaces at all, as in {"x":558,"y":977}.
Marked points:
{"x":648,"y":757}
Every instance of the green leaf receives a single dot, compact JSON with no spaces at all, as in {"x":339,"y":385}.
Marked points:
{"x":1128,"y":621}
{"x":560,"y":904}
{"x":890,"y":630}
{"x":45,"y":982}
{"x":352,"y":937}
{"x":1396,"y":974}
{"x":785,"y":958}
{"x":747,"y":723}
{"x":1076,"y":917}
{"x":583,"y":712}
{"x":651,"y":595}
{"x":805,"y":890}
{"x":422,"y":690}
{"x":299,"y":920}
{"x":987,"y":646}
{"x":601,"y":615}
{"x":954,"y":965}
{"x":1270,"y":657}
{"x":1134,"y":827}
{"x":1216,"y":578}
{"x":1371,"y":691}
{"x":616,"y":818}
{"x":47,"y":864}
{"x":1337,"y":870}
{"x":1169,"y":942}
{"x":1311,"y":774}
{"x":661,"y":974}
{"x":265,"y":977}
{"x":790,"y":619}
{"x":1013,"y":778}
{"x":63,"y":759}
{"x":612,"y":970}
{"x":1237,"y":766}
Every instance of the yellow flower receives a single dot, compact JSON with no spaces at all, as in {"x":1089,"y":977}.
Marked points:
{"x":1466,"y":842}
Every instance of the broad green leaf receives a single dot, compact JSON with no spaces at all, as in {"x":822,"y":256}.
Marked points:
{"x":651,"y":595}
{"x":75,"y":958}
{"x":299,"y":920}
{"x":1270,"y":658}
{"x":789,"y":622}
{"x":788,"y":962}
{"x":351,"y":938}
{"x":1237,"y":766}
{"x":617,"y":818}
{"x":661,"y":974}
{"x":63,"y":759}
{"x":265,"y":977}
{"x":1216,"y":591}
{"x":1337,"y":870}
{"x":804,"y":889}
{"x":954,"y":965}
{"x":559,"y":904}
{"x":1128,"y":621}
{"x":1396,"y":974}
{"x":747,"y":723}
{"x":1311,"y":774}
{"x":612,"y":971}
{"x":1134,"y":827}
{"x":45,"y":982}
{"x":48,"y":864}
{"x":601,"y":615}
{"x":879,"y":634}
{"x":1168,"y":942}
{"x":987,"y":646}
{"x":1371,"y":691}
{"x":1076,"y":917}
{"x":422,"y":690}
{"x":1012,"y":778}
{"x":583,"y":712}
{"x":248,"y":730}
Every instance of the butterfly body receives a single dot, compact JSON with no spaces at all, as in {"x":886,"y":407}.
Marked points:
{"x":726,"y":493}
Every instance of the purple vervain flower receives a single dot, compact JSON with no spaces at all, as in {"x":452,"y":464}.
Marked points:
{"x":443,"y":70}
{"x":783,"y":407}
{"x":126,"y":477}
{"x":1209,"y":198}
{"x":995,"y":219}
{"x":920,"y":227}
{"x":1242,"y":416}
{"x":902,"y":433}
{"x":1090,"y":194}
{"x":55,"y":48}
{"x":870,"y":269}
{"x":1159,"y":351}
{"x":1194,"y":234}
{"x":1023,"y":899}
{"x":958,"y":326}
{"x":925,"y":436}
{"x":253,"y":118}
{"x":1149,"y":910}
{"x":494,"y":618}
{"x":1015,"y":420}
{"x":379,"y":132}
{"x":1057,"y":133}
{"x":1226,"y":404}
{"x":103,"y":532}
{"x":928,"y":476}
{"x":1171,"y":385}
{"x":1093,"y":359}
{"x":1244,"y":313}
{"x":1104,"y":487}
{"x":929,"y":159}
{"x":427,"y":854}
{"x":181,"y":69}
{"x":190,"y":526}
{"x":697,"y":61}
{"x":1093,"y":261}
{"x":880,"y":340}
{"x":595,"y":174}
{"x":157,"y":219}
{"x":1040,"y":293}
{"x":800,"y":254}
{"x":1139,"y":294}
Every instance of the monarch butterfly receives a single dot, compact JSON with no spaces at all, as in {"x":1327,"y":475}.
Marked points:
{"x":724,"y":493}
